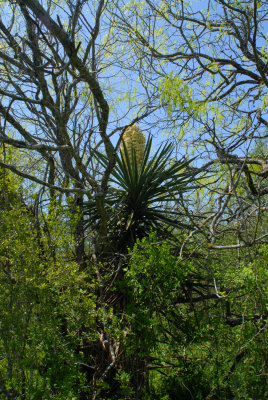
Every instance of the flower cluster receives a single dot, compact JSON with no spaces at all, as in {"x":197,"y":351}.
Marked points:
{"x":134,"y":140}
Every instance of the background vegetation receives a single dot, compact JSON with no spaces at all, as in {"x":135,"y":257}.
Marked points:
{"x":125,"y":277}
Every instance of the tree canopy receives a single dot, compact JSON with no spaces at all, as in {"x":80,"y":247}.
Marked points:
{"x":133,"y":270}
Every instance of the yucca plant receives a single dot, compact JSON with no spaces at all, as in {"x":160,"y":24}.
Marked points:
{"x":143,"y":193}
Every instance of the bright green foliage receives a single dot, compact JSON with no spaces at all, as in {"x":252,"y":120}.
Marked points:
{"x":160,"y":295}
{"x":178,"y":96}
{"x":152,"y":280}
{"x":155,"y":274}
{"x":9,"y":185}
{"x":44,"y":300}
{"x":197,"y":349}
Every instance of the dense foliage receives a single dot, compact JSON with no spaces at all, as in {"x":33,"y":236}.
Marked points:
{"x":133,"y":268}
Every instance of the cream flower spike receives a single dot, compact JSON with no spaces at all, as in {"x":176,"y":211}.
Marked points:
{"x":134,"y":139}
